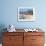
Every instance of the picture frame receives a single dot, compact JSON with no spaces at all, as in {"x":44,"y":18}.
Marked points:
{"x":26,"y":14}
